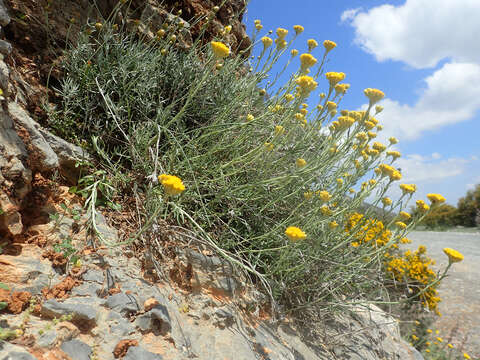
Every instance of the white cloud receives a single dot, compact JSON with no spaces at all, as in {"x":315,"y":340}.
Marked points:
{"x":419,"y":32}
{"x":349,"y":14}
{"x":452,"y":95}
{"x":426,"y":169}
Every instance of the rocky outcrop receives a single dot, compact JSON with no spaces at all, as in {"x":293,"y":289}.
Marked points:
{"x":114,"y":311}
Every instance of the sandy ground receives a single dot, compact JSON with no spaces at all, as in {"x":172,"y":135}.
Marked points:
{"x":460,"y":291}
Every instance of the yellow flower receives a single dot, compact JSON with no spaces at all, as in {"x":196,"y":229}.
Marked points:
{"x":281,"y":43}
{"x":258,"y":26}
{"x":341,"y":89}
{"x":220,"y":50}
{"x":312,"y":44}
{"x":334,"y":77}
{"x":340,"y":181}
{"x":289,"y":97}
{"x":369,"y":125}
{"x":319,"y":107}
{"x":329,"y":45}
{"x":352,"y":191}
{"x":279,"y":130}
{"x":394,"y":154}
{"x":379,"y":146}
{"x":227,"y":29}
{"x":300,"y":162}
{"x":429,"y":331}
{"x":331,"y":105}
{"x":427,"y":350}
{"x":324,"y":195}
{"x":333,"y":224}
{"x":303,"y":111}
{"x":387,"y":201}
{"x":298,"y":29}
{"x":294,"y":233}
{"x":173,"y":185}
{"x":436,"y":198}
{"x":397,"y":175}
{"x":268,"y":146}
{"x":393,"y":140}
{"x":405,"y":241}
{"x":439,"y":339}
{"x":294,"y":52}
{"x":374,"y":95}
{"x":414,"y":337}
{"x":322,"y":95}
{"x":450,"y":346}
{"x":355,"y":244}
{"x":422,"y":206}
{"x":401,"y":225}
{"x":453,"y":255}
{"x":308,"y":195}
{"x":325,"y":210}
{"x":160,"y":33}
{"x":98,"y":26}
{"x":307,"y":61}
{"x":250,"y":117}
{"x":282,"y":33}
{"x":378,"y":108}
{"x":266,"y":41}
{"x":466,"y":356}
{"x":404,"y":215}
{"x":408,"y":188}
{"x":306,"y":83}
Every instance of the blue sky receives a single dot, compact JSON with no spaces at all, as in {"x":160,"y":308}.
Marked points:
{"x":425,"y":56}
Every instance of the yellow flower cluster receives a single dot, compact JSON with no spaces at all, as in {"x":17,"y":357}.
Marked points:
{"x":312,"y":44}
{"x":298,"y":29}
{"x":408,"y":188}
{"x":436,"y":198}
{"x":374,"y":95}
{"x":306,"y":85}
{"x":390,"y":171}
{"x":334,"y":77}
{"x":173,"y":185}
{"x":370,"y":229}
{"x":329,"y":45}
{"x":220,"y":50}
{"x":307,"y":61}
{"x":414,"y":270}
{"x":453,"y":255}
{"x":294,"y":233}
{"x":266,"y":41}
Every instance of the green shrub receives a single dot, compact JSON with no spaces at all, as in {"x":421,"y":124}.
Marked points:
{"x":252,"y":165}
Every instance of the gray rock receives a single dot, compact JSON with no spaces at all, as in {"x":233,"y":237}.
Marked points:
{"x":122,"y":303}
{"x":84,"y":315}
{"x":13,"y":352}
{"x":4,"y":77}
{"x":87,"y":289}
{"x":93,"y":275}
{"x":47,"y":339}
{"x":4,"y":17}
{"x":77,"y":349}
{"x":45,"y":158}
{"x":108,"y":234}
{"x":139,"y":353}
{"x":156,"y":320}
{"x":68,"y":155}
{"x":5,"y":47}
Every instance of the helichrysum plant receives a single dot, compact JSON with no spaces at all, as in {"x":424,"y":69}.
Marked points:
{"x":274,"y":183}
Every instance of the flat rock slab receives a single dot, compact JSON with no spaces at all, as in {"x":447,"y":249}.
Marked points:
{"x":77,"y":349}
